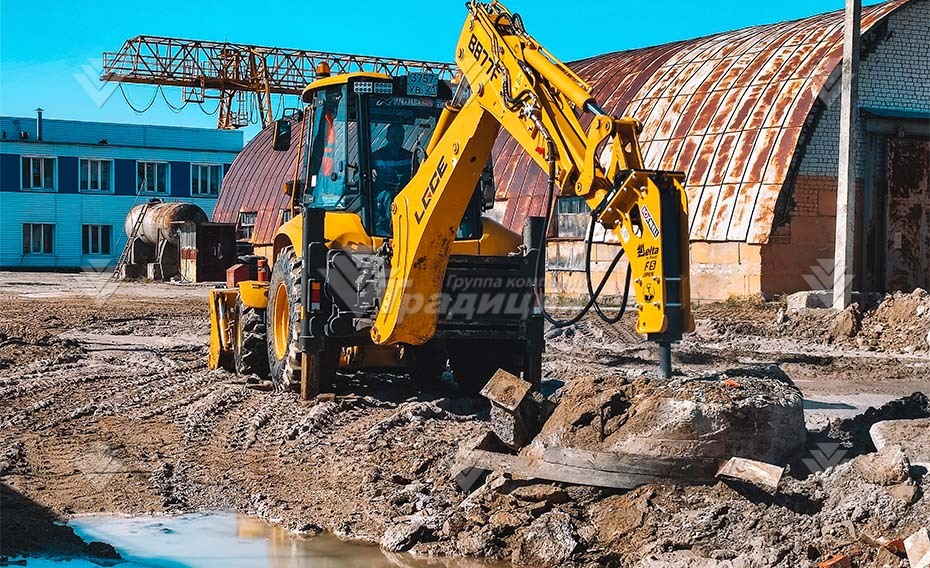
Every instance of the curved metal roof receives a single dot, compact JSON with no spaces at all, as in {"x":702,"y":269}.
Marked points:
{"x":728,"y":109}
{"x":254,"y":184}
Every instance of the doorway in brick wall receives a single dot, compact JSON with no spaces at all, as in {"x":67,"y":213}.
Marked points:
{"x":907,"y":234}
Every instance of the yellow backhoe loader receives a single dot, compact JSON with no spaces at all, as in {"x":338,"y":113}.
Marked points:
{"x":387,"y":260}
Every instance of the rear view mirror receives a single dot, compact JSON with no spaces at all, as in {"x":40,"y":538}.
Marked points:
{"x":486,"y":187}
{"x":281,"y":139}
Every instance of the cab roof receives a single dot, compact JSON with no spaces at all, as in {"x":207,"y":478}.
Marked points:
{"x":339,"y":79}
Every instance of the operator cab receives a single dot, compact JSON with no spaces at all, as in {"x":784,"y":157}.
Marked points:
{"x":367,"y":136}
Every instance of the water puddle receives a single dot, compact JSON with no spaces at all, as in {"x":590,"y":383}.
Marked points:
{"x":211,"y":540}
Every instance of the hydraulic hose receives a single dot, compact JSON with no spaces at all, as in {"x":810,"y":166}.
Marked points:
{"x":626,"y":285}
{"x":593,"y":296}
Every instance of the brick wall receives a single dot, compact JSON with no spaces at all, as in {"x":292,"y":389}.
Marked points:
{"x":896,"y":76}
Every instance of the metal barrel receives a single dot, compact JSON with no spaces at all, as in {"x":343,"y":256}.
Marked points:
{"x":162,"y":221}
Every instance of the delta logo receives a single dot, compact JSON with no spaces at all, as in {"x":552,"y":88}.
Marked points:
{"x":643,"y":250}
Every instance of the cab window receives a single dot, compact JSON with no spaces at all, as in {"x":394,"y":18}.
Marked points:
{"x":332,"y":168}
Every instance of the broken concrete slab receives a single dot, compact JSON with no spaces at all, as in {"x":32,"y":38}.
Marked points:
{"x":917,"y":547}
{"x":810,"y":299}
{"x":760,"y":474}
{"x":912,"y":435}
{"x":514,"y":414}
{"x":889,"y":466}
{"x":694,"y":418}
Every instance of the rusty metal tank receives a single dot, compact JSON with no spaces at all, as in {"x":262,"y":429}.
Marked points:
{"x":162,"y":221}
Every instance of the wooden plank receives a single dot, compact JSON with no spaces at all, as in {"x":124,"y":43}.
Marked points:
{"x":538,"y":469}
{"x":687,"y":470}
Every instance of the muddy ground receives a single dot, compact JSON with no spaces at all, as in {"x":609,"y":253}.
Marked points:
{"x":107,"y":406}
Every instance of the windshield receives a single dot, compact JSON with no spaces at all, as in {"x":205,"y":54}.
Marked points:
{"x":399,"y":130}
{"x":364,"y":149}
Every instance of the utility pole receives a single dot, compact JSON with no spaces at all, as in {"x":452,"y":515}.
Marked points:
{"x":846,"y":180}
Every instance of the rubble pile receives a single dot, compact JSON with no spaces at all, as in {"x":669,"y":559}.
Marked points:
{"x":851,"y":508}
{"x":900,"y":323}
{"x":894,"y":323}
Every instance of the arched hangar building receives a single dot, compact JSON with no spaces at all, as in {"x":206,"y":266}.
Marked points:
{"x":752,"y":117}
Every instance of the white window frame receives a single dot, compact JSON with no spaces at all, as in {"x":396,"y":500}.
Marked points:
{"x":95,"y":162}
{"x":96,"y":230}
{"x":32,"y":228}
{"x":240,"y":226}
{"x":23,"y":181}
{"x":166,"y":190}
{"x":195,"y":167}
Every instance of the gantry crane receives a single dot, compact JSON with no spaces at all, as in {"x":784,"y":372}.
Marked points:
{"x":241,"y":77}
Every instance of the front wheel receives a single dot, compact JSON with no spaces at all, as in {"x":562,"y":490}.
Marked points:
{"x":283,"y":321}
{"x":249,"y":352}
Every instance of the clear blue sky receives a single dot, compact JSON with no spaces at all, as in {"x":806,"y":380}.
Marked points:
{"x":46,"y":46}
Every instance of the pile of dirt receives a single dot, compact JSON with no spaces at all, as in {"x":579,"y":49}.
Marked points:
{"x":900,"y":323}
{"x":894,"y":323}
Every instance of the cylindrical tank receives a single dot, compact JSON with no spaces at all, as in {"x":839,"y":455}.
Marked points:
{"x":162,"y":221}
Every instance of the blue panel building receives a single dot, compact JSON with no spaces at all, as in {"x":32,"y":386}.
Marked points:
{"x":66,"y":185}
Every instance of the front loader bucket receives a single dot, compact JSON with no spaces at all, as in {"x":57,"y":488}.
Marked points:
{"x":222,"y":326}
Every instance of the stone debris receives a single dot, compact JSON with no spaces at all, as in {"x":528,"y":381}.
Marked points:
{"x":917,"y":547}
{"x":912,"y":435}
{"x":549,"y":541}
{"x":402,"y":536}
{"x":889,"y":466}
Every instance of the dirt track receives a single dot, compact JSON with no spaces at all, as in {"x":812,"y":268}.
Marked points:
{"x":110,"y":407}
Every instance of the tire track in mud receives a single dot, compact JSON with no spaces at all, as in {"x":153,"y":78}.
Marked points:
{"x":203,"y":415}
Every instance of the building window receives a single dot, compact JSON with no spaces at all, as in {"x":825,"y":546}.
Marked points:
{"x":96,"y":239}
{"x":571,"y":205}
{"x":38,"y":173}
{"x":38,"y":238}
{"x":246,"y":224}
{"x":206,"y":179}
{"x":95,"y":175}
{"x":152,"y":177}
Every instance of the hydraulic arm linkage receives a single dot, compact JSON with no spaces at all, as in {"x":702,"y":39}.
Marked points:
{"x":518,"y":85}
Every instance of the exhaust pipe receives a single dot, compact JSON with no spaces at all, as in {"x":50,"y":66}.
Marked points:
{"x":39,"y":124}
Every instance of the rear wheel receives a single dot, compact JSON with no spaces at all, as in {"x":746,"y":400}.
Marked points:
{"x":474,"y":362}
{"x":283,"y":321}
{"x":249,"y":350}
{"x":427,"y":363}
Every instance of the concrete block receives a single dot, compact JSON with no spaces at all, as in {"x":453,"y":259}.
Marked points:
{"x":912,"y":435}
{"x":917,"y":547}
{"x":816,"y":299}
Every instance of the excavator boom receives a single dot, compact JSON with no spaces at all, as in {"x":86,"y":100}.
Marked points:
{"x":515,"y":84}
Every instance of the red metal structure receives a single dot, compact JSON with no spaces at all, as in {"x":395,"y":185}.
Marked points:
{"x":241,"y":77}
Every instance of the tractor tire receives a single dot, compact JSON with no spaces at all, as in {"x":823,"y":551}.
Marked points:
{"x":427,"y":364}
{"x":250,"y":353}
{"x":474,"y":362}
{"x":282,"y":321}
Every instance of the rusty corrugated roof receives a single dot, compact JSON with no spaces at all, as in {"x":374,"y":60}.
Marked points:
{"x":254,"y":183}
{"x":727,"y":109}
